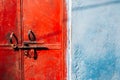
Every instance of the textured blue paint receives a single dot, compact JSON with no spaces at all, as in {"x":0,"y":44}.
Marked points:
{"x":96,"y":40}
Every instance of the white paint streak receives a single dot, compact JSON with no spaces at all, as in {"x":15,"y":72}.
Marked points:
{"x":69,"y":60}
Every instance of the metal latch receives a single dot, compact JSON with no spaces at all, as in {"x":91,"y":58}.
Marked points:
{"x":32,"y":44}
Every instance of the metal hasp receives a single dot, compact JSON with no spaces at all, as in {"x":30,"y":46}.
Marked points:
{"x":30,"y":45}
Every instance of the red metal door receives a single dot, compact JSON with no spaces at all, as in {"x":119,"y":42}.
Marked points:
{"x":10,"y":60}
{"x":33,"y":32}
{"x":47,"y":20}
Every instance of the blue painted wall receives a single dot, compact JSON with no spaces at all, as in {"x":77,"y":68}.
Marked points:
{"x":95,"y":39}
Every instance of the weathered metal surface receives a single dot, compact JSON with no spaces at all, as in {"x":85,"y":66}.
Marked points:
{"x":47,"y":19}
{"x":9,"y":65}
{"x":9,"y":59}
{"x":8,"y":19}
{"x":96,"y":40}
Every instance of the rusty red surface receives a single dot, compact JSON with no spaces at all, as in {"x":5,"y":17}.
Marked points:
{"x":47,"y":19}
